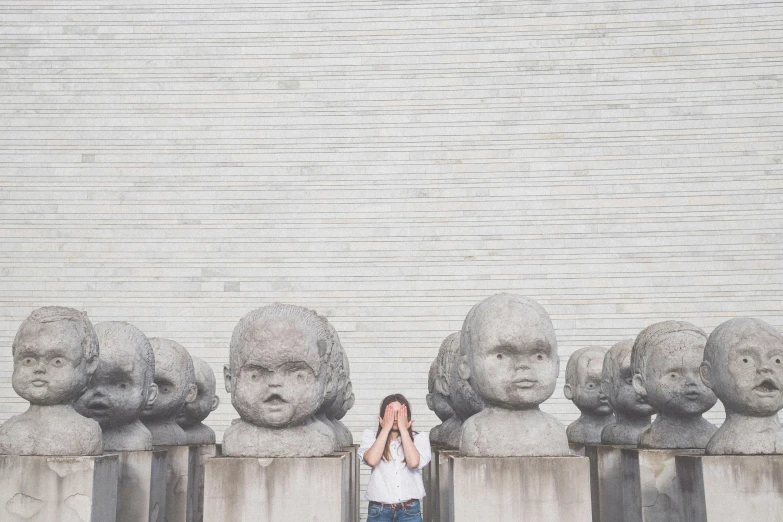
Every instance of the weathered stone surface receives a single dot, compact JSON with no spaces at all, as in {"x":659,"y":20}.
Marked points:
{"x":445,"y":507}
{"x":141,"y":489}
{"x":191,"y":417}
{"x":583,"y":387}
{"x":729,"y":488}
{"x":277,"y":376}
{"x":665,"y":359}
{"x":181,"y":464}
{"x":55,"y":354}
{"x":510,"y":489}
{"x":338,"y":395}
{"x":631,"y":411}
{"x":650,"y":486}
{"x":121,"y":388}
{"x":509,"y":357}
{"x":58,"y":489}
{"x":277,"y":489}
{"x":743,"y":365}
{"x":606,"y":491}
{"x":175,"y":378}
{"x":436,"y":400}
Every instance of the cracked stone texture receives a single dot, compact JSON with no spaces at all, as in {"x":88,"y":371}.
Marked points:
{"x":743,"y":365}
{"x":583,"y":386}
{"x":665,"y":359}
{"x":278,"y":376}
{"x":191,"y":417}
{"x":55,"y":354}
{"x":121,"y":387}
{"x":509,"y":356}
{"x":175,"y":378}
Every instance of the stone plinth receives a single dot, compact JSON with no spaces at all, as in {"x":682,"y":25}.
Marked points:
{"x":510,"y":489}
{"x":61,"y":489}
{"x":651,"y":491}
{"x":443,"y":491}
{"x":605,"y":482}
{"x":141,"y":489}
{"x":730,"y":488}
{"x":196,"y":489}
{"x":246,"y":489}
{"x":354,"y":482}
{"x":180,"y":475}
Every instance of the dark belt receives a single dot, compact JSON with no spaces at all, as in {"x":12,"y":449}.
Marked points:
{"x":400,"y":505}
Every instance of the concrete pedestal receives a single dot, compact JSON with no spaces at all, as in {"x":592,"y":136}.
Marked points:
{"x":731,"y":488}
{"x":61,"y":489}
{"x":651,"y":490}
{"x":141,"y":489}
{"x":354,"y":483}
{"x":605,"y":482}
{"x":196,"y":488}
{"x":510,"y":489}
{"x":180,"y":474}
{"x":277,"y":489}
{"x":443,"y":491}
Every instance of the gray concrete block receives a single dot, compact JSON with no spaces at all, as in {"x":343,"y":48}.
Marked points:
{"x":606,"y":493}
{"x":510,"y":489}
{"x":180,"y":474}
{"x":444,"y":483}
{"x":277,"y":489}
{"x":650,"y":487}
{"x":196,"y":488}
{"x":61,"y":489}
{"x":141,"y":488}
{"x":354,"y":484}
{"x":729,"y":488}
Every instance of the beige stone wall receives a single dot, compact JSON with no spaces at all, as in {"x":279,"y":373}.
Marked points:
{"x":389,"y":164}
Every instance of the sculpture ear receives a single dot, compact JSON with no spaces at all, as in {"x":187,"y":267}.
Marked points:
{"x":568,"y":392}
{"x":227,"y":377}
{"x":192,"y":393}
{"x":638,"y":385}
{"x":152,"y":395}
{"x":215,"y":402}
{"x":704,"y":370}
{"x":463,"y":369}
{"x":430,"y":402}
{"x":92,"y":365}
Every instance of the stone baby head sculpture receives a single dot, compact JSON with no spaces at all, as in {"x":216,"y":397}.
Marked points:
{"x":632,"y":412}
{"x":583,"y":376}
{"x":277,"y":376}
{"x":121,"y":388}
{"x":436,"y":400}
{"x":55,"y":354}
{"x":175,"y":378}
{"x":191,"y":417}
{"x":509,"y":356}
{"x":665,"y":359}
{"x":338,"y":395}
{"x":743,"y":365}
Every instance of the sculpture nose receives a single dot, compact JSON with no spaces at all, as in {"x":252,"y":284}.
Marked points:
{"x":40,"y":368}
{"x":275,"y":379}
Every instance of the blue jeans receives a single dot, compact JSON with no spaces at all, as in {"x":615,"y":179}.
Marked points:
{"x":387,"y":513}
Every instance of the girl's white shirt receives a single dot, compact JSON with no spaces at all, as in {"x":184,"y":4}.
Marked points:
{"x":392,"y":481}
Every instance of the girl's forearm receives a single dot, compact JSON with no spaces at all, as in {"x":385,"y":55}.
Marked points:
{"x":373,"y":455}
{"x":412,"y":456}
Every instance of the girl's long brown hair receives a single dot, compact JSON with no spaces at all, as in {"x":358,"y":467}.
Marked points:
{"x":396,"y":397}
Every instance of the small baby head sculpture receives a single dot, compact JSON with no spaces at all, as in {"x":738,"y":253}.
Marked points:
{"x":436,"y":400}
{"x":617,"y":383}
{"x":583,"y":376}
{"x":123,"y":385}
{"x":743,"y":365}
{"x":279,"y":360}
{"x":206,"y":401}
{"x":462,"y":398}
{"x":509,"y":352}
{"x":175,"y":378}
{"x":665,"y":359}
{"x":55,"y":354}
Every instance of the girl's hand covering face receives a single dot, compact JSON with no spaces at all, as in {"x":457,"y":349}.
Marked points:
{"x":402,"y":419}
{"x":387,"y":421}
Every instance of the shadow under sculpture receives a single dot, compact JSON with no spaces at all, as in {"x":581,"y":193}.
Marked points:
{"x":122,"y":387}
{"x":193,"y":414}
{"x":743,"y":365}
{"x":583,"y":386}
{"x":509,"y":355}
{"x":55,"y":354}
{"x":666,"y":357}
{"x":632,"y":412}
{"x":277,"y":377}
{"x":175,"y":378}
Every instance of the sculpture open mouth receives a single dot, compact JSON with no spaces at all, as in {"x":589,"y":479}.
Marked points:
{"x":274,"y":400}
{"x":767,"y":387}
{"x":99,"y":408}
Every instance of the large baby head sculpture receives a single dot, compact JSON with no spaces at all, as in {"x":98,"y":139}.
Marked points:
{"x":55,"y":354}
{"x":122,"y":387}
{"x":338,"y":394}
{"x":509,"y":356}
{"x":631,"y":410}
{"x":192,"y":415}
{"x":277,"y":378}
{"x":583,"y":386}
{"x":437,"y":401}
{"x":175,"y":378}
{"x":743,"y":365}
{"x":665,"y":359}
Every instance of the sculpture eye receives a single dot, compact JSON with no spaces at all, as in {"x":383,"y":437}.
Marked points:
{"x":540,"y":357}
{"x":28,"y":361}
{"x":777,"y":360}
{"x":499,"y":356}
{"x":254,"y":376}
{"x":745,"y":360}
{"x":123,"y":385}
{"x":672,"y":376}
{"x":57,"y":361}
{"x":590,"y":386}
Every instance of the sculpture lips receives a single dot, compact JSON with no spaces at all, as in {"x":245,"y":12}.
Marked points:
{"x":525,"y":383}
{"x":274,"y":399}
{"x":693,"y":395}
{"x":767,"y":387}
{"x":39,"y":383}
